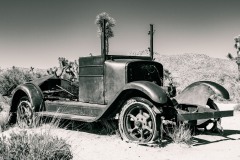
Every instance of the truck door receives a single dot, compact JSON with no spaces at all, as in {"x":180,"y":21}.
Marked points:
{"x":91,"y":79}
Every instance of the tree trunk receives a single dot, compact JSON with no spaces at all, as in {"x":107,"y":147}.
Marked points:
{"x":238,"y":63}
{"x":107,"y":46}
{"x":238,"y":71}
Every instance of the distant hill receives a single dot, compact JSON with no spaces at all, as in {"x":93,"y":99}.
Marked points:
{"x":189,"y":68}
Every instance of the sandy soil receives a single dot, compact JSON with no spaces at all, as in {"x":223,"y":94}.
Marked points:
{"x":88,"y":146}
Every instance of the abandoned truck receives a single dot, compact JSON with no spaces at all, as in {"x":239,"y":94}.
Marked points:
{"x":128,"y":88}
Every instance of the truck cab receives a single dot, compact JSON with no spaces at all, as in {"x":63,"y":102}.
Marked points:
{"x":100,"y":81}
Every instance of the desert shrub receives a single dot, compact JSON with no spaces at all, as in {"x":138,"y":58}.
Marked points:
{"x":180,"y":134}
{"x":32,"y":146}
{"x":10,"y":78}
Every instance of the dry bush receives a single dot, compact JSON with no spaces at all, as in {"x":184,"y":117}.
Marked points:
{"x":32,"y":146}
{"x":180,"y":134}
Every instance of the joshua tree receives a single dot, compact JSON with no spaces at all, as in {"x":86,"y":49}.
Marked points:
{"x":110,"y":22}
{"x":237,"y":59}
{"x":66,"y":70}
{"x":32,"y":70}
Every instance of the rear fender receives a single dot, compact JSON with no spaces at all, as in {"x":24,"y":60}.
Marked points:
{"x":32,"y":91}
{"x":199,"y":92}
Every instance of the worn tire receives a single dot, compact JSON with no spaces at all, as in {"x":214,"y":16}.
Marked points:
{"x":25,"y":113}
{"x":137,"y":121}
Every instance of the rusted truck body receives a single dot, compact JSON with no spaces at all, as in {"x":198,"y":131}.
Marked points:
{"x":127,"y":88}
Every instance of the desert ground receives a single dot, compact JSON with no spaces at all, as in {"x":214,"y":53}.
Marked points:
{"x":207,"y":146}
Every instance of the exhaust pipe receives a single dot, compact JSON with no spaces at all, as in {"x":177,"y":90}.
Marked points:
{"x":151,"y":41}
{"x":103,"y":40}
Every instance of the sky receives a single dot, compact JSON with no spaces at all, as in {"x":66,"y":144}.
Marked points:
{"x":37,"y":32}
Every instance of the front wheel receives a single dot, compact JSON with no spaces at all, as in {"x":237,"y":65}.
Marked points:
{"x":25,"y":113}
{"x":137,"y":121}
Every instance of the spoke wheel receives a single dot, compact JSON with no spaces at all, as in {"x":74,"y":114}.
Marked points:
{"x":137,"y":121}
{"x":25,"y":113}
{"x":210,"y":124}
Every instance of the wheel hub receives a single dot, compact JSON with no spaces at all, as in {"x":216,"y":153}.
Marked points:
{"x":138,"y":124}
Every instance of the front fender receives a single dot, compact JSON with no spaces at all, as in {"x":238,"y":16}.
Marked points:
{"x":31,"y":90}
{"x":152,"y":90}
{"x":199,"y":92}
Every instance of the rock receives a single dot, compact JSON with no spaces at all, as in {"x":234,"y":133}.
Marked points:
{"x":4,"y":112}
{"x":5,"y":99}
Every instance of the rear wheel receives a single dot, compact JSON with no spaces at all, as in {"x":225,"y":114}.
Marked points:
{"x":210,"y":124}
{"x":25,"y":113}
{"x":137,"y":121}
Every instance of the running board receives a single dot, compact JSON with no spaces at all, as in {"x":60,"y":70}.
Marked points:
{"x":75,"y":108}
{"x":66,"y":116}
{"x":204,"y":115}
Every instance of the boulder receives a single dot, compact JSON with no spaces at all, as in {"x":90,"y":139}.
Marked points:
{"x":4,"y":112}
